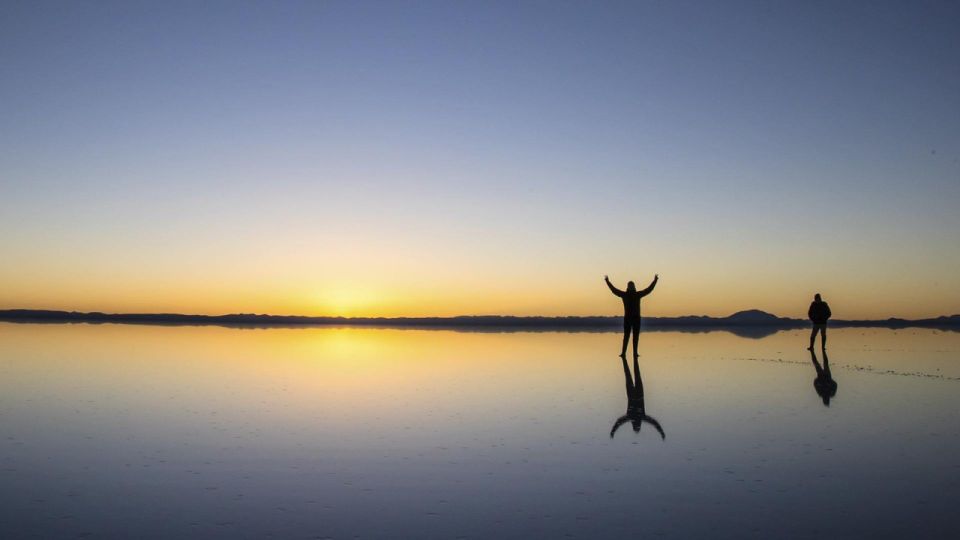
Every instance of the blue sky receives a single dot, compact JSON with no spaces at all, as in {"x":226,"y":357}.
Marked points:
{"x":479,"y":150}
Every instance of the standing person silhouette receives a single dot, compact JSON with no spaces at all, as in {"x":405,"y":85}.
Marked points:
{"x":631,"y":310}
{"x":819,"y":313}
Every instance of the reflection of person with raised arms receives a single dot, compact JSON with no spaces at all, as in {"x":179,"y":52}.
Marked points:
{"x":636,"y":412}
{"x":631,"y":310}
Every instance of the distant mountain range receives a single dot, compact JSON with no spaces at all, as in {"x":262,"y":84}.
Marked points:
{"x":753,"y":323}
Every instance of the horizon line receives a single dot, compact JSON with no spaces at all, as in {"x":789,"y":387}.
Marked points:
{"x":20,"y":313}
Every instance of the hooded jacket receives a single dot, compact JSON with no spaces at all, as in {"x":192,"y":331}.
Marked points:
{"x":819,"y":312}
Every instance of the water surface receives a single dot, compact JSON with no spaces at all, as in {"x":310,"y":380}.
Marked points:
{"x":154,"y":431}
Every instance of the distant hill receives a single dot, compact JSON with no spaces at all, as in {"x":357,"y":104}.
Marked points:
{"x":750,"y":317}
{"x":754,"y":316}
{"x":752,"y":322}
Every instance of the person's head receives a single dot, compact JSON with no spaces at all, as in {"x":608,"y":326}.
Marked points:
{"x":631,"y":287}
{"x":817,"y":298}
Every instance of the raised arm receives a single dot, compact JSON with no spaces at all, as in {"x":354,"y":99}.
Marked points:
{"x":616,"y":425}
{"x":653,"y":421}
{"x":653,"y":284}
{"x":613,"y":289}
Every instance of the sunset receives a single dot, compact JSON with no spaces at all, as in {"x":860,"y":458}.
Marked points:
{"x":266,"y":211}
{"x":439,"y":159}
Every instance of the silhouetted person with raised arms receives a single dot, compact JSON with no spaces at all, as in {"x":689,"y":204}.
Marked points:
{"x":636,"y":413}
{"x":819,"y":314}
{"x":824,"y":384}
{"x":631,"y":310}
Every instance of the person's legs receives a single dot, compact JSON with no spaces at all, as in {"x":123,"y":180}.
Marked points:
{"x":626,"y":336}
{"x":813,"y":337}
{"x":627,"y":378}
{"x":638,"y":381}
{"x":636,"y":336}
{"x":823,"y":337}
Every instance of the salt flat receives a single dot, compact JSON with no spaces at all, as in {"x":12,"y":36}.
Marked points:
{"x":155,"y":431}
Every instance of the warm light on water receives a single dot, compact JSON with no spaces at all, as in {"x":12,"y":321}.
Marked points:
{"x":165,"y":431}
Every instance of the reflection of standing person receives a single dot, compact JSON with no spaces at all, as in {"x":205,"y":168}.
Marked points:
{"x":636,"y":412}
{"x":819,"y":313}
{"x":631,"y":310}
{"x":824,"y":384}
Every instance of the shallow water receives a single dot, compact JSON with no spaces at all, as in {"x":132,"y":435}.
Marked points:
{"x":154,"y":431}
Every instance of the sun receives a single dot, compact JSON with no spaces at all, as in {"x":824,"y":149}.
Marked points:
{"x":346,"y":301}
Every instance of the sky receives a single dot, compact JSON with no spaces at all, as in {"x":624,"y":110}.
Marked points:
{"x":444,"y":158}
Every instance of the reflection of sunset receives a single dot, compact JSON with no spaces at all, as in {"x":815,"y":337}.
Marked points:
{"x":342,"y":374}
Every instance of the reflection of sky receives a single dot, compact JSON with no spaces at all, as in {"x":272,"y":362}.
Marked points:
{"x":211,"y":431}
{"x":435,"y":159}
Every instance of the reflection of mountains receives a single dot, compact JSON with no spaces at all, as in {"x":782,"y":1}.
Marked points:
{"x":751,"y":323}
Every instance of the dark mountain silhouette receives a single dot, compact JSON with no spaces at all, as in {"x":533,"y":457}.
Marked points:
{"x":753,"y":316}
{"x":750,"y":323}
{"x":750,"y":317}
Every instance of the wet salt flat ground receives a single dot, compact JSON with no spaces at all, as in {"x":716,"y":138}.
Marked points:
{"x":172,"y":432}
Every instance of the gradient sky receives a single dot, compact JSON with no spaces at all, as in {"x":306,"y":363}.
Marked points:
{"x":420,"y":158}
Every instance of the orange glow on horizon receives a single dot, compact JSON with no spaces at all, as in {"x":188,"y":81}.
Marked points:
{"x":666,"y":301}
